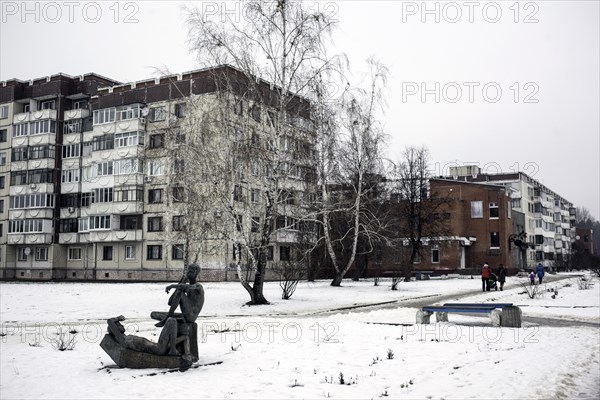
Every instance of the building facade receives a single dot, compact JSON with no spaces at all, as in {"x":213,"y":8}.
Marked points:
{"x":549,"y":217}
{"x":99,"y":180}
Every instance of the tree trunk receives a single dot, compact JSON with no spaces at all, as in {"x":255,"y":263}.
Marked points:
{"x":257,"y":295}
{"x":409,"y":268}
{"x":337,"y":281}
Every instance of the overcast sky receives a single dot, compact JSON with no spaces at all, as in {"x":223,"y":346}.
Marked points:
{"x":517,"y":84}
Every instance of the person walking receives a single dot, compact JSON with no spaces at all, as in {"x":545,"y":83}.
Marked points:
{"x":539,"y":271}
{"x":501,"y":276}
{"x":485,"y":275}
{"x":532,"y":278}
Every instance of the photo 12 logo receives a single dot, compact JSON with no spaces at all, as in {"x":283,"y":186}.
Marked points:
{"x":471,"y":92}
{"x":69,"y":11}
{"x":453,"y":12}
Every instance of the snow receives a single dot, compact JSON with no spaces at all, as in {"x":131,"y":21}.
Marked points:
{"x":298,"y":348}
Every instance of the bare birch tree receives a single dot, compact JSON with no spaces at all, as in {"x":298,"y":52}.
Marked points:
{"x":278,"y":48}
{"x":350,"y":162}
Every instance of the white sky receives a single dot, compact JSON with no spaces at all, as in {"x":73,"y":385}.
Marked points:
{"x":554,"y":61}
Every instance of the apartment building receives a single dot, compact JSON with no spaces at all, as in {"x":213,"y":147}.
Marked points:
{"x":549,"y":217}
{"x":32,"y":122}
{"x":121,"y":167}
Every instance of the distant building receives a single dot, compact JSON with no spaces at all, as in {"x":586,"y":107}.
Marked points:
{"x":549,"y":217}
{"x":584,"y":241}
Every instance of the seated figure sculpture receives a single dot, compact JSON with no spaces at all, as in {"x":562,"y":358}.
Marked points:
{"x":189,"y":297}
{"x":177,"y":345}
{"x":167,"y":341}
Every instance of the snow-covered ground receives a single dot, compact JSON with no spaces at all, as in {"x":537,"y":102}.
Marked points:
{"x":301,"y":348}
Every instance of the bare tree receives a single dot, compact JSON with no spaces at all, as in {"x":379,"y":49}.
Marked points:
{"x":277,"y":50}
{"x":350,"y":166}
{"x":418,"y":210}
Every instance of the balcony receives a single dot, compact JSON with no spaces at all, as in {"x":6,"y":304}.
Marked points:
{"x":76,"y":114}
{"x":115,"y":236}
{"x":29,"y":238}
{"x":34,"y":116}
{"x":31,"y":188}
{"x":31,"y":213}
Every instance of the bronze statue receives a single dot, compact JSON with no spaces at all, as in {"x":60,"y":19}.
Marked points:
{"x":177,"y":345}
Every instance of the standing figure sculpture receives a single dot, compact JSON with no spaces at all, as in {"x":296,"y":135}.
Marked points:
{"x":189,"y":297}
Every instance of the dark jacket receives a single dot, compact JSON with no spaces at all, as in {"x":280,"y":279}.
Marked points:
{"x":502,"y":274}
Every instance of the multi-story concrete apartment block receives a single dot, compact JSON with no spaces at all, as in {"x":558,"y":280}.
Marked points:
{"x":32,"y":123}
{"x":549,"y":217}
{"x":126,"y":165}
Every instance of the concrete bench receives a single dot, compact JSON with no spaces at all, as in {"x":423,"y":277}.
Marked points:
{"x":501,"y":314}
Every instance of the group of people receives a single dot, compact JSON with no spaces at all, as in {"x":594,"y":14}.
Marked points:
{"x":490,"y":279}
{"x":539,"y":272}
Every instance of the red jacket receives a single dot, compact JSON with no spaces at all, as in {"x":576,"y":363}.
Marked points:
{"x":485,"y":271}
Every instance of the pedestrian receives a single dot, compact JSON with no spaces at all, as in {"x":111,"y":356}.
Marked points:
{"x":539,"y":271}
{"x":485,"y":275}
{"x":501,"y":276}
{"x":531,"y":278}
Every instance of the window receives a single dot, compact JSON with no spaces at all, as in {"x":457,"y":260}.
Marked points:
{"x":129,"y":112}
{"x":154,"y":252}
{"x":103,"y":195}
{"x":3,"y":158}
{"x":130,"y":222}
{"x":127,"y":166}
{"x":128,"y":139}
{"x":270,"y":253}
{"x":284,"y":253}
{"x":237,"y":193}
{"x":157,"y":114}
{"x":23,"y":251}
{"x":104,"y":116}
{"x":156,"y":167}
{"x":105,"y":142}
{"x":255,"y":227}
{"x":74,"y":253}
{"x":476,"y":209}
{"x":95,"y":222}
{"x":25,"y":226}
{"x":39,"y":152}
{"x":41,"y":254}
{"x":255,"y":168}
{"x":178,"y":223}
{"x":78,"y":104}
{"x":494,"y":240}
{"x":154,"y":224}
{"x":71,"y":150}
{"x":508,"y":209}
{"x":4,"y":111}
{"x":255,"y":195}
{"x":21,"y":129}
{"x":180,"y":110}
{"x":133,"y":193}
{"x":238,"y":108}
{"x":107,"y":253}
{"x":43,"y":126}
{"x":435,"y":253}
{"x":417,"y":259}
{"x":69,"y":175}
{"x":178,"y":194}
{"x":157,"y":140}
{"x":238,"y":222}
{"x":3,"y":135}
{"x":178,"y":166}
{"x":48,"y":105}
{"x":155,"y":196}
{"x":179,"y":137}
{"x":494,"y":211}
{"x":1,"y":206}
{"x":177,"y":252}
{"x":70,"y":225}
{"x":255,"y":113}
{"x":1,"y":182}
{"x":130,"y":252}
